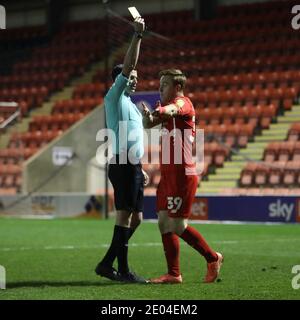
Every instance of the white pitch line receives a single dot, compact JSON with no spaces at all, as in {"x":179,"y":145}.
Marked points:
{"x":136,"y":245}
{"x":103,"y":245}
{"x":72,"y":247}
{"x":231,"y":222}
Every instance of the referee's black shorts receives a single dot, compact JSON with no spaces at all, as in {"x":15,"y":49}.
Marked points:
{"x":128,"y":183}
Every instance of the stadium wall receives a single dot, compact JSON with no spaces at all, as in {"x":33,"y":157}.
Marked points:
{"x":53,"y":205}
{"x":85,"y":173}
{"x":25,"y":13}
{"x":271,"y":209}
{"x":46,"y":169}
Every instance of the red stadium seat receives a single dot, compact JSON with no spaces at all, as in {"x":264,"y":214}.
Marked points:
{"x":231,"y":135}
{"x":268,"y":113}
{"x":219,"y":156}
{"x":294,"y":132}
{"x":290,"y":174}
{"x":275,"y":173}
{"x":271,"y":152}
{"x":208,"y":153}
{"x":245,"y":133}
{"x":296,"y":152}
{"x":229,"y":115}
{"x":286,"y":150}
{"x":261,"y":175}
{"x":287,"y":104}
{"x":247,"y":175}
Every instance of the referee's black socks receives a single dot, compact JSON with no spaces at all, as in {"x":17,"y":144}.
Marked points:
{"x":112,"y":251}
{"x":119,"y":247}
{"x":122,"y":248}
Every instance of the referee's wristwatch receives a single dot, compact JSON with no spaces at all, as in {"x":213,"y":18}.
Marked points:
{"x":139,"y":35}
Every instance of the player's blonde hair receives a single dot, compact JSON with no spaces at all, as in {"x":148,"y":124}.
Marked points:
{"x":177,"y":75}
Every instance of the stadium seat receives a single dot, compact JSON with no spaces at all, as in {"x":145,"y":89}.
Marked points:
{"x":290,"y":174}
{"x":271,"y":152}
{"x":261,"y":175}
{"x":247,"y":175}
{"x":242,"y":86}
{"x":245,"y":134}
{"x":286,"y":150}
{"x":294,"y":132}
{"x":275,"y":174}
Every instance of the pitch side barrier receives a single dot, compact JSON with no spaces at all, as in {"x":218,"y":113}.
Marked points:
{"x":49,"y":205}
{"x":278,"y":209}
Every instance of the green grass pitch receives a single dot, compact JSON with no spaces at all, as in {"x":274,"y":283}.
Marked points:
{"x":55,"y":259}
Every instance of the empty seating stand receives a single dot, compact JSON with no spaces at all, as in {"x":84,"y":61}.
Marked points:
{"x":46,"y":69}
{"x":243,"y":70}
{"x":280,"y":165}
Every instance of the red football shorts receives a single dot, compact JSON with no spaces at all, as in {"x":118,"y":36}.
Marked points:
{"x":175,"y":193}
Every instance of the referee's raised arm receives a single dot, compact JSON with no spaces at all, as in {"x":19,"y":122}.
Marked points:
{"x":132,"y":55}
{"x":125,"y":169}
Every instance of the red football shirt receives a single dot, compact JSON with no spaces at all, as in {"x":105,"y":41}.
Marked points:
{"x":177,"y":137}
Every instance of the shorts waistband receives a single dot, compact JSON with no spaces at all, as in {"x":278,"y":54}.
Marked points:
{"x":124,"y":159}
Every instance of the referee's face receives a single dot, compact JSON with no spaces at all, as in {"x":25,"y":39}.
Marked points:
{"x":132,"y":82}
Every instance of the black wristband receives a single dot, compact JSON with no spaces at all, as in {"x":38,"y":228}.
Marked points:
{"x":139,"y":35}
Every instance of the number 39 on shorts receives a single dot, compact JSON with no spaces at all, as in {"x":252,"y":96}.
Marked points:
{"x":174,"y":204}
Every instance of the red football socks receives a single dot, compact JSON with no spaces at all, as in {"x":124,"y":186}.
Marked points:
{"x":192,"y":237}
{"x":171,"y":248}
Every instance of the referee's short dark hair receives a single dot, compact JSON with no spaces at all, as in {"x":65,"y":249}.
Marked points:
{"x":116,"y":71}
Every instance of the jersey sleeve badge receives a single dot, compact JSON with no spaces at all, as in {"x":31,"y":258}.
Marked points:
{"x":180,"y":103}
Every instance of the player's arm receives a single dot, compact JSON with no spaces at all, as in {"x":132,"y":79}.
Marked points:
{"x":166,"y":112}
{"x":179,"y":108}
{"x":132,"y":55}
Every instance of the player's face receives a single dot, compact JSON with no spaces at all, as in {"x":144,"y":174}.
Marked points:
{"x":167,"y":89}
{"x":132,"y":82}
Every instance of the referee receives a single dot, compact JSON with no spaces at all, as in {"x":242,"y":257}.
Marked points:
{"x":125,"y":169}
